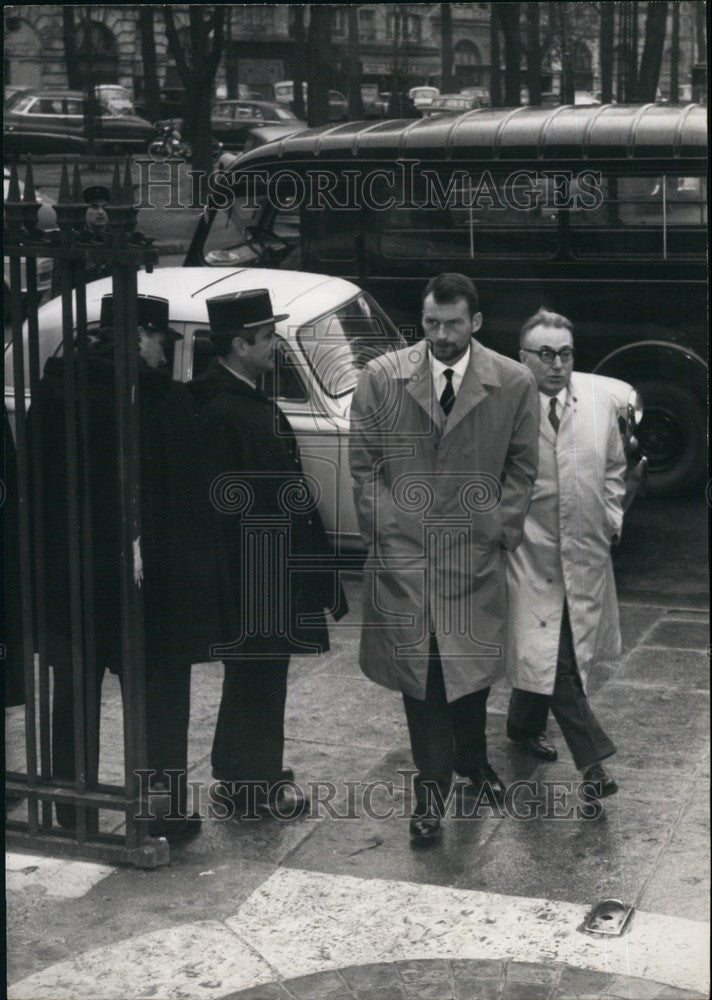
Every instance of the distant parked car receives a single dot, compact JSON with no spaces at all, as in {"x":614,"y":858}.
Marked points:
{"x":116,"y":98}
{"x":378,"y":106}
{"x":452,"y":102}
{"x":54,"y":121}
{"x":338,"y":105}
{"x":423,"y":97}
{"x":260,"y":135}
{"x":231,"y":121}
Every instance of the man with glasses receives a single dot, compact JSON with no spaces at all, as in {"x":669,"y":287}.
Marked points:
{"x":563,"y":612}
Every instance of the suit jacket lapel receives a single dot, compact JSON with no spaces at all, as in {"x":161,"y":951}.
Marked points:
{"x":419,"y":382}
{"x":473,"y":388}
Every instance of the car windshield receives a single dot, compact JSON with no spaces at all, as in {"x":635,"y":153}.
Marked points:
{"x":284,"y":114}
{"x":341,"y":342}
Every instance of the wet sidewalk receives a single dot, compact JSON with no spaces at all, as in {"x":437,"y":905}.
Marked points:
{"x":337,"y":904}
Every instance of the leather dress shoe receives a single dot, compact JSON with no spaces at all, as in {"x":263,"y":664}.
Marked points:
{"x":424,"y":830}
{"x":286,"y":800}
{"x":537,"y":747}
{"x":487,"y":775}
{"x":599,"y":782}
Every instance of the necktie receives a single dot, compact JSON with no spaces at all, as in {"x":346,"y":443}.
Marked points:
{"x":553,"y":418}
{"x":447,"y":400}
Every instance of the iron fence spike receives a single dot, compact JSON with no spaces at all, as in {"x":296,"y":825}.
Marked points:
{"x":77,"y":185}
{"x":64,"y":196}
{"x":13,"y":191}
{"x":30,"y":194}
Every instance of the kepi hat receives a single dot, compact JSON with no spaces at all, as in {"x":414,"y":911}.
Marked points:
{"x":241,"y":311}
{"x":151,"y":313}
{"x":95,"y":193}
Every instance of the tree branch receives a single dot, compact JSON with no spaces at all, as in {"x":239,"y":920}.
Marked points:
{"x":175,"y":47}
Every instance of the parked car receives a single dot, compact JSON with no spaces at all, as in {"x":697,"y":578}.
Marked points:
{"x":618,"y":244}
{"x":423,"y":97}
{"x":338,"y":105}
{"x":332,"y":330}
{"x":260,"y":135}
{"x":231,"y":121}
{"x":46,"y":219}
{"x":377,"y":106}
{"x":116,"y":98}
{"x":54,"y":121}
{"x":457,"y":103}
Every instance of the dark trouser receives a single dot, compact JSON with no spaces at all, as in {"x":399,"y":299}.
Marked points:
{"x":444,"y":734}
{"x":249,"y":736}
{"x":167,"y":717}
{"x":528,"y":711}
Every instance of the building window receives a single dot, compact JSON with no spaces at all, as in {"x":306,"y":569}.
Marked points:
{"x":367,"y":26}
{"x":466,"y":63}
{"x":340,"y":24}
{"x":415,"y":27}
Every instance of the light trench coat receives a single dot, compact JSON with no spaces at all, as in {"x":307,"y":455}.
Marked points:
{"x":576,"y":510}
{"x":438,"y":501}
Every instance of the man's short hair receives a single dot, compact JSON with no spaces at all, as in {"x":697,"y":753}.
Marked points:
{"x":544,"y":317}
{"x":451,"y":286}
{"x":222,"y":342}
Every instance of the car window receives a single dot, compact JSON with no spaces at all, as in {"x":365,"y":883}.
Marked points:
{"x":223,"y":110}
{"x":341,"y":342}
{"x":284,"y":114}
{"x":46,"y":106}
{"x":74,"y":107}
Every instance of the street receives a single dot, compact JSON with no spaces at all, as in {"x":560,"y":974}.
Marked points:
{"x":337,"y":904}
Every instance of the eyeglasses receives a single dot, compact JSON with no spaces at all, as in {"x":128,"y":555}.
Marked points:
{"x":546,"y":355}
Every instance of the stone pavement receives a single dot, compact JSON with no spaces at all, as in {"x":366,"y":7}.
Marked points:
{"x":331,"y":907}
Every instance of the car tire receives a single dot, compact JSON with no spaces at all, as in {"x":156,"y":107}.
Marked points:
{"x":672,"y":437}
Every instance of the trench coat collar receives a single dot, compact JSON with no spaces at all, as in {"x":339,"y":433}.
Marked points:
{"x":481,"y":373}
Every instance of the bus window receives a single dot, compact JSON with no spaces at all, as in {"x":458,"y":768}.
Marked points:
{"x":643,"y":217}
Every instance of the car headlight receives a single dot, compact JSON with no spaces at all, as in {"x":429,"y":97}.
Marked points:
{"x":635,"y":408}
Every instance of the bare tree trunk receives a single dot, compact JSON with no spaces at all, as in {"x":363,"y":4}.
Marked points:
{"x":447,"y":80}
{"x":701,"y":32}
{"x":198,"y":76}
{"x":560,"y":15}
{"x":495,"y":59}
{"x":232,"y":76}
{"x":533,"y":54}
{"x":355,"y":98}
{"x":151,"y":93}
{"x":509,"y":19}
{"x":652,"y":58}
{"x":631,"y":75}
{"x":300,"y":61}
{"x":675,"y":56}
{"x":607,"y":46}
{"x":319,"y":64}
{"x":69,"y":31}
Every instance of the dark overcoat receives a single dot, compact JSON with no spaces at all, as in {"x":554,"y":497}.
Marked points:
{"x":271,"y":528}
{"x":178,"y":545}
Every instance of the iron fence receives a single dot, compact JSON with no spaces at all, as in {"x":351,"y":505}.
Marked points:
{"x":72,"y":249}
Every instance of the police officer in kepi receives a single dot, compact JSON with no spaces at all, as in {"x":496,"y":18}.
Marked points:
{"x":95,"y":235}
{"x":178,"y":555}
{"x":276,"y":548}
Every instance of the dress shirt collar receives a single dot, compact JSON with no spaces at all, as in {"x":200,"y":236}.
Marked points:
{"x":459,"y":368}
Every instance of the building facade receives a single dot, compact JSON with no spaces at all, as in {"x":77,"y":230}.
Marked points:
{"x":398,"y":45}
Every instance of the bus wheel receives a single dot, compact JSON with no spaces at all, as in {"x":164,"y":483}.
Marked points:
{"x":672,"y":436}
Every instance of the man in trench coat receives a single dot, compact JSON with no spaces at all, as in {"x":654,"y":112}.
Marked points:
{"x":563,"y":613}
{"x":276,"y":548}
{"x":443,"y":460}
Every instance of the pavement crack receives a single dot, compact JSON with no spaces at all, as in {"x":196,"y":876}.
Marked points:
{"x":377,"y":841}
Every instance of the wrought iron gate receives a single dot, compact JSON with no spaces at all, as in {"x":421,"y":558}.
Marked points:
{"x":71,"y":249}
